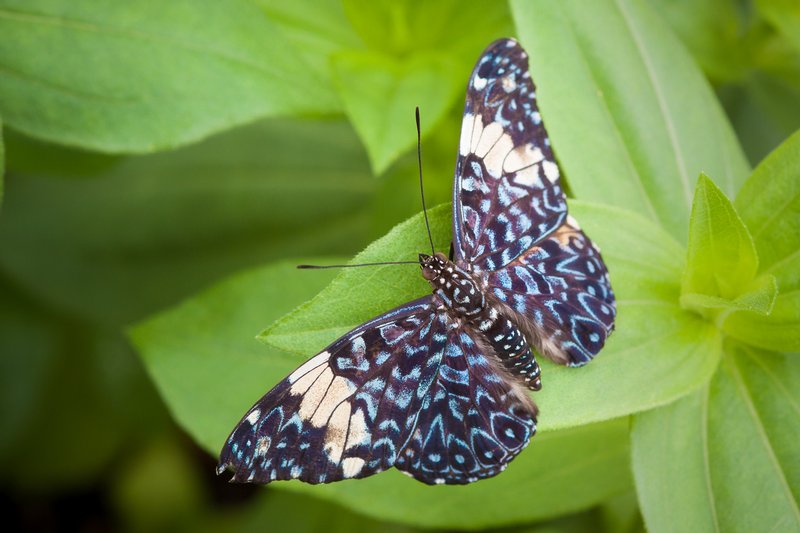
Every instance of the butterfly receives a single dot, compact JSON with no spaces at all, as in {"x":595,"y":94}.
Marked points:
{"x":439,"y":387}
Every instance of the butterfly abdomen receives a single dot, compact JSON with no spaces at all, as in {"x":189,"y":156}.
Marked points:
{"x":510,"y":346}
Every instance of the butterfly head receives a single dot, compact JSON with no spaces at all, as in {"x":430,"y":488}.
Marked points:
{"x":432,"y":265}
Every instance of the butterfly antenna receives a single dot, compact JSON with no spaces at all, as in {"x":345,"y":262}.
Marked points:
{"x":306,"y":267}
{"x":421,"y":188}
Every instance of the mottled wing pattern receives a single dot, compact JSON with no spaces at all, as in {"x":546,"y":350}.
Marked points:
{"x":560,"y":289}
{"x":410,"y":389}
{"x":474,"y":421}
{"x":507,"y":192}
{"x":347,"y":412}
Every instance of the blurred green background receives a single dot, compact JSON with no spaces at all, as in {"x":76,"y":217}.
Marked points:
{"x":153,"y":149}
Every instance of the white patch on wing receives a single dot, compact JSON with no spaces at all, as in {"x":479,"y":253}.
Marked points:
{"x":336,"y":434}
{"x":509,"y":84}
{"x":300,"y":386}
{"x":477,"y":131}
{"x":352,"y":466}
{"x":521,"y":157}
{"x":494,"y":159}
{"x":528,"y":177}
{"x":339,"y":390}
{"x":551,"y":171}
{"x":489,"y":136}
{"x":572,"y":222}
{"x":253,"y":416}
{"x":315,"y":393}
{"x":467,"y":124}
{"x":479,"y":83}
{"x":359,"y":433}
{"x":312,"y":363}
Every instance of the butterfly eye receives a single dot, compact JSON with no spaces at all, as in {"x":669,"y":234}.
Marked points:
{"x":430,"y":273}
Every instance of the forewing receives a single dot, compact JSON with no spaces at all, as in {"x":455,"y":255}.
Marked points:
{"x":561,"y":293}
{"x":346,"y":412}
{"x":507,"y":193}
{"x":474,"y":420}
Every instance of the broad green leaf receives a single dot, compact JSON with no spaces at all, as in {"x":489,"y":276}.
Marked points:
{"x":756,"y":72}
{"x":614,"y":85}
{"x":206,"y":344}
{"x":379,"y":95}
{"x":769,"y":203}
{"x":298,"y":513}
{"x":724,"y":459}
{"x":664,"y":351}
{"x":785,"y":16}
{"x":356,"y":295}
{"x":721,"y":259}
{"x":716,"y":32}
{"x":144,"y":76}
{"x":417,"y":53}
{"x":559,"y":473}
{"x":317,"y":30}
{"x":150,"y":230}
{"x":670,"y":463}
{"x":759,"y":300}
{"x":657,"y":352}
{"x":402,"y":27}
{"x":780,"y":330}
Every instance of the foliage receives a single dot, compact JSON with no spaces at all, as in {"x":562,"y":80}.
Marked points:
{"x":693,"y":405}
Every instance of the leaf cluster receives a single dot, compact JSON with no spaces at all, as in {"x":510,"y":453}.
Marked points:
{"x":691,"y":414}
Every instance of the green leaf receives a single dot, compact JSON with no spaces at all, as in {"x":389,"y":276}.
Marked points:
{"x":317,"y":30}
{"x":149,"y":230}
{"x":724,"y":458}
{"x":144,"y":76}
{"x":614,"y":85}
{"x":356,"y":295}
{"x":769,"y":203}
{"x":716,"y":32}
{"x":664,"y":351}
{"x":298,"y":513}
{"x":417,"y":53}
{"x":721,"y":259}
{"x":785,"y":16}
{"x":379,"y":95}
{"x":401,"y":27}
{"x":759,"y":300}
{"x":206,"y":344}
{"x":559,"y":473}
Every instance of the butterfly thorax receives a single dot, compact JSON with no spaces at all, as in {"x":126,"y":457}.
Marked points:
{"x":455,"y":287}
{"x":459,"y":292}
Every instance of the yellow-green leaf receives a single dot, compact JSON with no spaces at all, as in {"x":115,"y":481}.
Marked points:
{"x":721,"y":258}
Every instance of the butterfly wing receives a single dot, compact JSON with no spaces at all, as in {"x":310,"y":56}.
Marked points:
{"x":475,"y":419}
{"x":349,"y":410}
{"x":510,"y":221}
{"x":396,"y":391}
{"x":507,"y":193}
{"x":560,"y":290}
